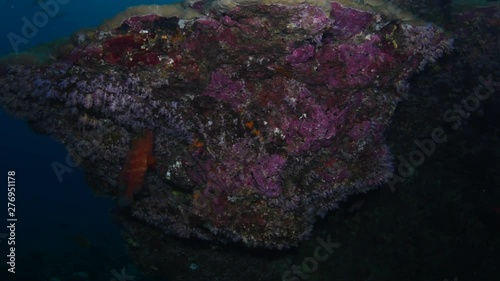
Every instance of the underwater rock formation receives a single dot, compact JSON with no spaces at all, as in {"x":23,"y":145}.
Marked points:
{"x":264,"y":117}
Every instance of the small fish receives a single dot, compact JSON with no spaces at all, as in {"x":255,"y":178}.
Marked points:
{"x":139,"y":159}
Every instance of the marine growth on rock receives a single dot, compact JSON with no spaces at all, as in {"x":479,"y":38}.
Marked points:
{"x":264,"y":117}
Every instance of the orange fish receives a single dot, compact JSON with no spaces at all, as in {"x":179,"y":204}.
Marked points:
{"x":139,"y":159}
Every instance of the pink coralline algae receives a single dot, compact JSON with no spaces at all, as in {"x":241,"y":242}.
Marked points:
{"x":264,"y":118}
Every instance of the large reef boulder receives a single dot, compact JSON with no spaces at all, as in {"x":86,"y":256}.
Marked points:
{"x":264,"y":117}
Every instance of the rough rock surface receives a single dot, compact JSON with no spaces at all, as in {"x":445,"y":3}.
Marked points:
{"x":264,"y":117}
